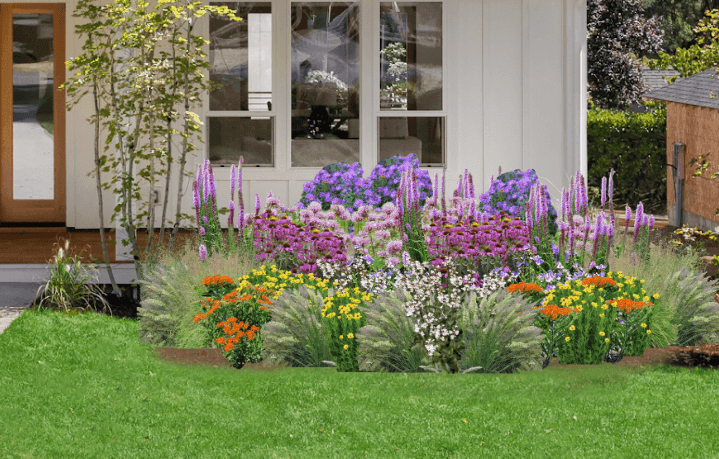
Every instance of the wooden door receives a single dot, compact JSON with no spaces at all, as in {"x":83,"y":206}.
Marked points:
{"x":32,"y":113}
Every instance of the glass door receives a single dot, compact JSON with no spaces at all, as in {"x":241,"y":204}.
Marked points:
{"x":32,"y":124}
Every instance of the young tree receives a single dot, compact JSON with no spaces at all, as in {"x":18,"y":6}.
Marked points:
{"x":136,"y":87}
{"x":618,"y":32}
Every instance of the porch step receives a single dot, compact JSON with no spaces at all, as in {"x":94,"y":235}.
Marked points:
{"x":19,"y":283}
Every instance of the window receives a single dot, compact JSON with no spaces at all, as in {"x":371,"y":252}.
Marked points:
{"x":411,"y":81}
{"x":325,"y":70}
{"x":241,"y":63}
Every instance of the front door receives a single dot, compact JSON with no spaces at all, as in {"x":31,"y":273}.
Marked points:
{"x":32,"y":113}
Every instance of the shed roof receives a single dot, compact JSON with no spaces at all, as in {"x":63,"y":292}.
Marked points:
{"x":655,"y":79}
{"x":700,"y":89}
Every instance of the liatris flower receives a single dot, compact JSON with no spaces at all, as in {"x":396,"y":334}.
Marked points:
{"x":232,"y":182}
{"x":565,"y":207}
{"x":651,"y":221}
{"x":257,"y":204}
{"x":611,"y":185}
{"x":202,"y":231}
{"x":471,"y":187}
{"x":203,"y":252}
{"x":627,"y":217}
{"x":598,"y":231}
{"x":444,"y":206}
{"x":196,"y":200}
{"x":638,"y":220}
{"x":604,"y":190}
{"x":473,"y":209}
{"x":230,"y":223}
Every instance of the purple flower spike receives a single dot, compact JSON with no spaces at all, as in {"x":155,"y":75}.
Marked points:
{"x":232,"y":182}
{"x":257,"y":204}
{"x":203,"y":252}
{"x":627,"y":217}
{"x":202,"y":231}
{"x":604,"y":190}
{"x":231,"y":215}
{"x":611,"y":185}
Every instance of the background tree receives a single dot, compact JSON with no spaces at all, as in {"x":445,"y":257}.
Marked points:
{"x":699,"y":57}
{"x":618,"y":33}
{"x":678,"y":18}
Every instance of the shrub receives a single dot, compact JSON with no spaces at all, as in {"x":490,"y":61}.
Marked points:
{"x":499,"y":333}
{"x":335,"y":184}
{"x":385,"y":343}
{"x":510,"y":193}
{"x":696,"y":314}
{"x":634,"y":145}
{"x":296,"y":334}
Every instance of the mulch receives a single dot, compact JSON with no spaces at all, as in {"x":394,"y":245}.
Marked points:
{"x":214,"y":357}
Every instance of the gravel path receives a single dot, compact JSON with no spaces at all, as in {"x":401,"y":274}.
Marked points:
{"x":7,"y":315}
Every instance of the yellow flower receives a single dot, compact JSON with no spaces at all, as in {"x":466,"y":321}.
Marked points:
{"x":620,"y":285}
{"x":648,"y":332}
{"x":580,"y":308}
{"x":567,"y":339}
{"x":656,"y":295}
{"x":601,"y":333}
{"x":350,"y":335}
{"x":646,"y":298}
{"x":572,"y":327}
{"x":606,"y":340}
{"x":636,"y":297}
{"x":604,"y":306}
{"x":341,"y":337}
{"x":346,"y":346}
{"x":601,"y":315}
{"x":644,"y":325}
{"x":642,"y":281}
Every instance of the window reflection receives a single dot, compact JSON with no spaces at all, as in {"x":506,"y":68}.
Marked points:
{"x":325,"y":83}
{"x":422,"y":136}
{"x":411,"y":56}
{"x":241,"y":58}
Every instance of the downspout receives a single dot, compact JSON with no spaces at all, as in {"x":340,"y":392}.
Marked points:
{"x":678,"y":174}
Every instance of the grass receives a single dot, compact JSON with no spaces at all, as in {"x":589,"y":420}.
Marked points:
{"x":83,"y":386}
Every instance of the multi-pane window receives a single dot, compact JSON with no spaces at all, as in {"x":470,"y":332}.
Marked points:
{"x":241,"y":63}
{"x":325,"y":71}
{"x":411,"y":81}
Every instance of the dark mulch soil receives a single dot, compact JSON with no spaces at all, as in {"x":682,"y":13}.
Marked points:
{"x":673,"y":355}
{"x":211,"y":357}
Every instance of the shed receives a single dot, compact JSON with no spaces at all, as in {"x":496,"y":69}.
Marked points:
{"x":692,"y":130}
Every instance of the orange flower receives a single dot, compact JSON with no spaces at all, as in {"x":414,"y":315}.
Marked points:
{"x":263,"y":307}
{"x":232,"y":319}
{"x":552,"y":311}
{"x":229,"y":347}
{"x":599,"y":281}
{"x":226,"y":330}
{"x":523,"y":287}
{"x":240,"y":334}
{"x":250,"y":334}
{"x":255,"y":328}
{"x":221,"y":340}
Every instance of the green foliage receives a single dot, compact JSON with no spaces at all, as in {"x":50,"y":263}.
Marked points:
{"x":634,"y":145}
{"x":678,"y":19}
{"x":696,"y":313}
{"x":700,"y":56}
{"x":162,"y":70}
{"x":499,"y":333}
{"x":296,"y":335}
{"x":385,"y":343}
{"x":166,"y":312}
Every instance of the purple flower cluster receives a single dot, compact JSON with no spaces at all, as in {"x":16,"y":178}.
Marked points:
{"x":510,"y":193}
{"x":295,"y":247}
{"x":496,"y":237}
{"x":343,"y":184}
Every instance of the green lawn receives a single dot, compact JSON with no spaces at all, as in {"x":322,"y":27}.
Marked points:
{"x":83,"y":386}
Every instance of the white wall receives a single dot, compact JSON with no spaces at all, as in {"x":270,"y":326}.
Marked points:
{"x":514,"y":90}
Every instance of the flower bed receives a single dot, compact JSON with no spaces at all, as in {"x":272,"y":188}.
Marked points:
{"x":429,"y":287}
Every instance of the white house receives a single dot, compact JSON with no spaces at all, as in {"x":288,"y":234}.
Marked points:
{"x":492,"y":83}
